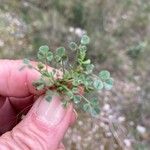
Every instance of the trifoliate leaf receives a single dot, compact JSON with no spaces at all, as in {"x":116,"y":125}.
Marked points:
{"x":45,"y":54}
{"x":85,"y":40}
{"x":60,"y":51}
{"x":42,"y":53}
{"x":98,"y":84}
{"x":108,"y":84}
{"x":104,"y":74}
{"x":73,"y":46}
{"x":60,"y":54}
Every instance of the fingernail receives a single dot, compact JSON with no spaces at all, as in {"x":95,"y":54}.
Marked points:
{"x":51,"y":112}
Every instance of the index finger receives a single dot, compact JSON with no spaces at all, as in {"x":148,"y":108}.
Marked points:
{"x":14,"y":82}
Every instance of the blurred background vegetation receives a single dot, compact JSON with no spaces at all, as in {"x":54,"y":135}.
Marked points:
{"x":120,"y":42}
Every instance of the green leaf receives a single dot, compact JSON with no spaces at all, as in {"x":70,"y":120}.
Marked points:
{"x":70,"y":94}
{"x":40,"y":65}
{"x":94,"y":111}
{"x":94,"y":102}
{"x":40,"y":87}
{"x":26,"y":61}
{"x":60,"y":54}
{"x":42,"y":53}
{"x":48,"y":98}
{"x":86,"y":62}
{"x":98,"y":84}
{"x":85,"y":40}
{"x":73,"y":46}
{"x":77,"y":99}
{"x":83,"y":47}
{"x":48,"y":95}
{"x":49,"y":56}
{"x":39,"y":84}
{"x":89,"y":68}
{"x":108,"y":84}
{"x":60,"y":51}
{"x":86,"y":107}
{"x":44,"y":48}
{"x":104,"y":74}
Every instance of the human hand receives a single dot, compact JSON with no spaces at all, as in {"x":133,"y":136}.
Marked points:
{"x":44,"y":125}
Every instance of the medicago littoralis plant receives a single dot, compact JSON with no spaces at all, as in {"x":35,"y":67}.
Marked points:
{"x":76,"y":80}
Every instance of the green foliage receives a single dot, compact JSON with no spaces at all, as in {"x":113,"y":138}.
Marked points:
{"x":76,"y":77}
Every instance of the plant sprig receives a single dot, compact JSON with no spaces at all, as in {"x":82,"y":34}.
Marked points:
{"x":77,"y":78}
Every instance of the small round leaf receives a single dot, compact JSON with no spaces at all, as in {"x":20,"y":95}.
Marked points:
{"x":98,"y":84}
{"x":49,"y":56}
{"x":104,"y":74}
{"x":108,"y":84}
{"x":44,"y":48}
{"x":89,"y":68}
{"x":73,"y":46}
{"x":85,"y":40}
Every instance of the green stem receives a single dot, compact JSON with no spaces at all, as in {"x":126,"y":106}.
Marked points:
{"x":85,"y":99}
{"x":63,"y":67}
{"x":76,"y":58}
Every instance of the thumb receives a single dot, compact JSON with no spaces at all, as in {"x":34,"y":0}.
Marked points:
{"x":43,"y":127}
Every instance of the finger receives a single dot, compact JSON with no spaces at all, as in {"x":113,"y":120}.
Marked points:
{"x":43,"y":128}
{"x":14,"y":82}
{"x":11,"y":110}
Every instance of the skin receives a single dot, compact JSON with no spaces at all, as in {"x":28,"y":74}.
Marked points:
{"x":41,"y":128}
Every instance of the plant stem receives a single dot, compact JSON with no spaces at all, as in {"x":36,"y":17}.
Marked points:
{"x":85,"y":99}
{"x":63,"y":66}
{"x":76,"y":58}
